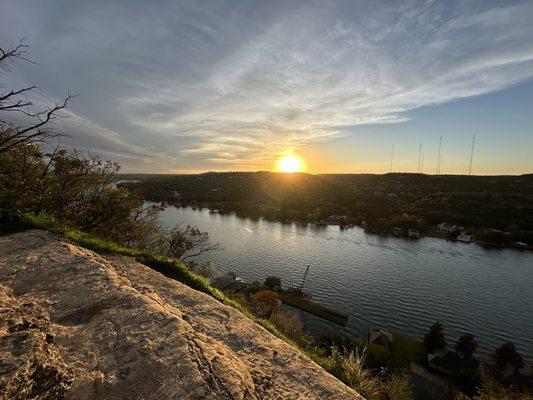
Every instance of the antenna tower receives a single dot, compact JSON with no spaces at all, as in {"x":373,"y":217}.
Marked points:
{"x":438,"y":156}
{"x":391,"y":157}
{"x":419,"y":159}
{"x":471,"y":155}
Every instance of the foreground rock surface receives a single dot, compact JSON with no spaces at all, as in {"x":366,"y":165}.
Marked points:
{"x":74,"y":325}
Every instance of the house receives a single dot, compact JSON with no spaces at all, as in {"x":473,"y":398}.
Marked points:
{"x":463,"y":237}
{"x":380,"y":337}
{"x":445,"y":227}
{"x":448,"y":362}
{"x":333,"y":219}
{"x":229,"y":281}
{"x":414,"y":233}
{"x":510,"y":379}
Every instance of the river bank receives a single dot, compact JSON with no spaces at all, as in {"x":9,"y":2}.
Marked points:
{"x":340,"y":221}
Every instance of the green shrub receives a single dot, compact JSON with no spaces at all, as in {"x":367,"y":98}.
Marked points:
{"x":397,"y":387}
{"x":377,"y":356}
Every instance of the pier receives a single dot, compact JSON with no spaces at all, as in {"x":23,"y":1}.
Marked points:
{"x":314,"y":308}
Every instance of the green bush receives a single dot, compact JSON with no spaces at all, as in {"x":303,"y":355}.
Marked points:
{"x":377,"y":356}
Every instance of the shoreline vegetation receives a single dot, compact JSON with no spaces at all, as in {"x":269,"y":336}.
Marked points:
{"x":491,"y":211}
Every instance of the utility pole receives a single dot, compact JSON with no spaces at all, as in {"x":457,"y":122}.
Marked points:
{"x":422,"y":163}
{"x":471,"y":155}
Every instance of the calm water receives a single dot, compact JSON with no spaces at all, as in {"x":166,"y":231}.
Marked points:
{"x":397,"y":284}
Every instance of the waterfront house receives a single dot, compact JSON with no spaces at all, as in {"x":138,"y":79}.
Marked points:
{"x":445,"y":227}
{"x":510,"y":379}
{"x":333,"y":219}
{"x":414,"y":233}
{"x":229,"y":281}
{"x":380,"y":337}
{"x":465,"y":238}
{"x":448,"y":362}
{"x":442,"y":227}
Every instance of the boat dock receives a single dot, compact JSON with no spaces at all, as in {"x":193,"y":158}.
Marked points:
{"x":314,"y":308}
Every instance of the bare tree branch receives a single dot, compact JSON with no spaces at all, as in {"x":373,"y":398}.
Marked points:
{"x":15,"y":93}
{"x":12,"y":137}
{"x":17,"y":52}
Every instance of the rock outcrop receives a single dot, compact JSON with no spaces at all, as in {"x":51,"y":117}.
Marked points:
{"x":74,"y":325}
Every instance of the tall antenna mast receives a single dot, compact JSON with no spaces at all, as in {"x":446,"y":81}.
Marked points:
{"x":471,"y":155}
{"x":438,"y":156}
{"x":419,"y":159}
{"x":391,"y":157}
{"x":422,"y":163}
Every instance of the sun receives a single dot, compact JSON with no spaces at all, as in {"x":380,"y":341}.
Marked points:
{"x":290,"y":164}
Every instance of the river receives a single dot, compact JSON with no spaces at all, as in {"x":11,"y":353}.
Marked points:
{"x":398,"y":284}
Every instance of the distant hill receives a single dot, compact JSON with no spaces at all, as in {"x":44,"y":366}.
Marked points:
{"x":476,"y":202}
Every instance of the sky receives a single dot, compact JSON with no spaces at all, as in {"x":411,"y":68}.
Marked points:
{"x":348,"y":86}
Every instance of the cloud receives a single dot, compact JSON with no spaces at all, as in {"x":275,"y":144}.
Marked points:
{"x":215,"y":85}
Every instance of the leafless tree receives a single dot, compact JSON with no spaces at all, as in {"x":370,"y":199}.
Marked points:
{"x":36,"y":128}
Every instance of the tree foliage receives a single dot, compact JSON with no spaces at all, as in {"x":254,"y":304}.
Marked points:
{"x":183,"y":244}
{"x":466,"y":345}
{"x":506,"y":356}
{"x":434,"y":338}
{"x":78,"y":189}
{"x":273,"y":283}
{"x":264,"y":303}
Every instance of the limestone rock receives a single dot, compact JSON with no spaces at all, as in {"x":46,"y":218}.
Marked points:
{"x":74,"y":325}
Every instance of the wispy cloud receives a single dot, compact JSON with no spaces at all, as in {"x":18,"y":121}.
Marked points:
{"x":208,"y":85}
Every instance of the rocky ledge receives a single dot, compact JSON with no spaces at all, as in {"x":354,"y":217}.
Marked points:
{"x":75,"y":325}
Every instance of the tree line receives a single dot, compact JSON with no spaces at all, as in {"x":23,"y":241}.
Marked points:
{"x":483,"y":205}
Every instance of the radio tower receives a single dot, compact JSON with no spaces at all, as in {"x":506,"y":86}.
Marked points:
{"x":471,"y":155}
{"x":438,"y":157}
{"x":263,"y":166}
{"x":418,"y":169}
{"x":391,"y":157}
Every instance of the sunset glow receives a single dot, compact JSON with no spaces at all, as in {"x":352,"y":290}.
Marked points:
{"x":290,"y":164}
